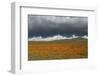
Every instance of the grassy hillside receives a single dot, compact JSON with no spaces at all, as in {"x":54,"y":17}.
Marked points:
{"x":58,"y":49}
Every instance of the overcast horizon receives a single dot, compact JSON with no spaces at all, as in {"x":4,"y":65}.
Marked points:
{"x":48,"y":26}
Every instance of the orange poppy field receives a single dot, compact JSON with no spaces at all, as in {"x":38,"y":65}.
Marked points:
{"x":58,"y":49}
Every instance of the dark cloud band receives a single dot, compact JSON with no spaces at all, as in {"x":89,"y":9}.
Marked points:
{"x":40,"y":25}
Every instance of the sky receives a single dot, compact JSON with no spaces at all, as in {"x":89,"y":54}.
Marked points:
{"x":47,"y":26}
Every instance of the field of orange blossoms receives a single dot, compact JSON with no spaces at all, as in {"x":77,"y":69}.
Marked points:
{"x":61,"y":49}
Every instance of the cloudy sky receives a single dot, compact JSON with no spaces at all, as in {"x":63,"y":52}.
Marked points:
{"x":46,"y":26}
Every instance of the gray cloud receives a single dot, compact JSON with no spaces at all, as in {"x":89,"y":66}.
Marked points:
{"x":39,"y":25}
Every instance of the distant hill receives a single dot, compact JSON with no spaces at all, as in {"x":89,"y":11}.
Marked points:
{"x":61,"y":41}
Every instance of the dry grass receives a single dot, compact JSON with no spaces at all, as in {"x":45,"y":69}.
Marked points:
{"x":64,"y":49}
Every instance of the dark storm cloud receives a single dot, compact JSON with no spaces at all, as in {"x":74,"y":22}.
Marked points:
{"x":52,"y":25}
